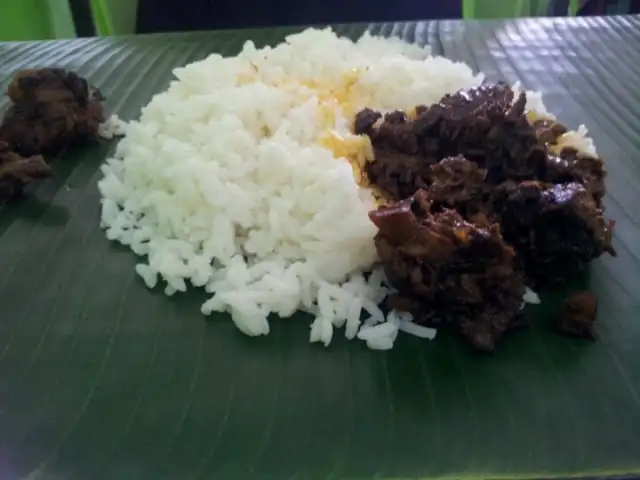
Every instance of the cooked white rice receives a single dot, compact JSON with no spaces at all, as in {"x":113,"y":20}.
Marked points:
{"x":112,"y":127}
{"x":235,"y":180}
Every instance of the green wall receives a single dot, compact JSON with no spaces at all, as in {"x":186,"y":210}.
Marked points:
{"x":35,"y":20}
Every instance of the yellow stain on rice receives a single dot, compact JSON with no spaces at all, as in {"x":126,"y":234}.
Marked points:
{"x":356,"y":149}
{"x":334,"y":97}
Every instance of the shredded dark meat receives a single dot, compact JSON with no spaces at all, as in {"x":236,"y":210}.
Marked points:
{"x":449,"y":271}
{"x":365,"y":121}
{"x":584,"y":169}
{"x":556,"y":229}
{"x":484,"y":125}
{"x":478,"y":161}
{"x":578,"y":316}
{"x":457,"y":183}
{"x":569,"y":165}
{"x":16,"y":172}
{"x":400,"y":165}
{"x":51,"y":109}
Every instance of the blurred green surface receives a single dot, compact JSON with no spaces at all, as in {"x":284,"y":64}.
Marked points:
{"x":35,"y":20}
{"x":102,"y":378}
{"x":484,"y":9}
{"x":115,"y":17}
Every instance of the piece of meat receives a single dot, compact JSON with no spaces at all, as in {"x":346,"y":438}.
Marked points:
{"x":578,"y":316}
{"x":397,"y":133}
{"x":489,"y":126}
{"x":365,"y":121}
{"x":459,"y":184}
{"x":449,"y":272}
{"x":51,"y":109}
{"x":548,"y":131}
{"x":16,"y":172}
{"x":569,"y":165}
{"x":397,"y":174}
{"x":556,"y":229}
{"x":473,"y":166}
{"x":558,"y":170}
{"x":587,"y":170}
{"x":484,"y":124}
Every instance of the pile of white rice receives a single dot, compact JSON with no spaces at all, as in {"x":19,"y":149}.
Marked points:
{"x":236,"y":179}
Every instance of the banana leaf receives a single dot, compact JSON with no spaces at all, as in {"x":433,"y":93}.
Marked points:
{"x":102,"y":378}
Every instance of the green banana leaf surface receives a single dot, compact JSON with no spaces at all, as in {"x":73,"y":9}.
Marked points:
{"x":103,"y":378}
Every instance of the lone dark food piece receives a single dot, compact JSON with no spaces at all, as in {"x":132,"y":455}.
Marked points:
{"x":16,"y":172}
{"x":578,"y":316}
{"x":449,"y":271}
{"x":52,"y":109}
{"x":483,"y":168}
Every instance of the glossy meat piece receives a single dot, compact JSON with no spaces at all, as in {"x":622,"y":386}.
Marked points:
{"x":448,"y":271}
{"x":457,"y":183}
{"x":578,"y":316}
{"x":584,"y":169}
{"x":484,"y":175}
{"x":556,"y":229}
{"x":51,"y":110}
{"x":365,"y":121}
{"x":484,"y":124}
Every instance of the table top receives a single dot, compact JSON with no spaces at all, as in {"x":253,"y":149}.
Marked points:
{"x":101,"y":378}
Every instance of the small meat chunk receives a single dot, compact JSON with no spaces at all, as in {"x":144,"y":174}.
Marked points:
{"x":398,"y":175}
{"x":449,"y":272}
{"x":51,"y":109}
{"x":587,"y":170}
{"x":457,"y":183}
{"x":578,"y":316}
{"x":486,"y":125}
{"x":565,"y":164}
{"x":556,"y":229}
{"x":16,"y":172}
{"x":365,"y":121}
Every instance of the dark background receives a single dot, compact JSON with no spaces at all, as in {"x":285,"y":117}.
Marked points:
{"x":182,"y":15}
{"x":190,"y":15}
